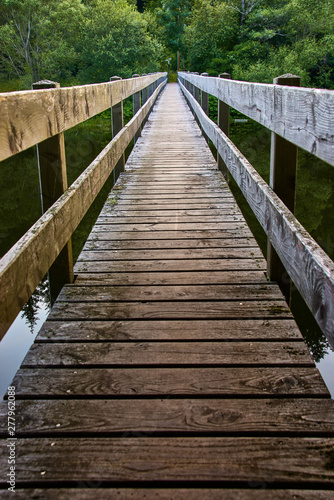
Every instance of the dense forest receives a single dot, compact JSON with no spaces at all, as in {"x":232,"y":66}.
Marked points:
{"x":86,"y":41}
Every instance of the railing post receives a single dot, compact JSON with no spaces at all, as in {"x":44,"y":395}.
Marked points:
{"x":224,"y":125}
{"x":144,"y":93}
{"x":196,"y":90}
{"x":117,"y":125}
{"x":205,"y":105}
{"x":53,"y":183}
{"x":283,"y":170}
{"x":136,"y":108}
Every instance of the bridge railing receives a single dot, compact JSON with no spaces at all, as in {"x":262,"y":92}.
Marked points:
{"x":39,"y":117}
{"x":298,"y":117}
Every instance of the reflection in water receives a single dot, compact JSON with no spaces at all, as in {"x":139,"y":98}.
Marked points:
{"x":20,"y":336}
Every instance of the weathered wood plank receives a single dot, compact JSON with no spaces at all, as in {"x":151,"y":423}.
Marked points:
{"x":140,"y":417}
{"x":170,"y":265}
{"x":26,"y":263}
{"x":97,"y":242}
{"x":228,"y":291}
{"x":84,"y":491}
{"x":209,"y":220}
{"x":167,"y":353}
{"x":103,"y":232}
{"x":303,"y":116}
{"x":310,"y":268}
{"x":165,"y":226}
{"x":171,"y":310}
{"x":171,"y":382}
{"x":170,"y":278}
{"x":238,"y":460}
{"x":92,"y":254}
{"x":30,"y":117}
{"x":123,"y":330}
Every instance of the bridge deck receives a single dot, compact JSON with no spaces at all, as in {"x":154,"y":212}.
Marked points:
{"x":171,"y":362}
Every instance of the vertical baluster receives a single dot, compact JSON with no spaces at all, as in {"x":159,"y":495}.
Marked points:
{"x":53,"y":183}
{"x":136,"y":108}
{"x":224,"y":125}
{"x":117,"y":125}
{"x":283,"y":169}
{"x":205,"y":105}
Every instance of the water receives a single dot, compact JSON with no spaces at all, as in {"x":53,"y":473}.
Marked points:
{"x":20,"y":336}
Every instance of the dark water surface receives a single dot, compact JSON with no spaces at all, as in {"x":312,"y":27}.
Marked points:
{"x":20,"y":208}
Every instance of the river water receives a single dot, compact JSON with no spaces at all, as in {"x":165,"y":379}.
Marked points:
{"x":20,"y":208}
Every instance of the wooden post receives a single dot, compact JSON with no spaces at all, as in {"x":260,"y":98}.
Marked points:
{"x":205,"y":105}
{"x":136,"y":108}
{"x":196,"y":90}
{"x":116,"y":125}
{"x":224,"y":125}
{"x":283,"y":170}
{"x":53,"y":183}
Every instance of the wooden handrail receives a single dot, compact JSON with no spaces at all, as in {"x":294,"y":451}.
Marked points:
{"x":302,"y":116}
{"x":310,"y":268}
{"x":26,"y":263}
{"x":30,"y":117}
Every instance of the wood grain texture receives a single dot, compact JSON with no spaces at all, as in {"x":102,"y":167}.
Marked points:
{"x":169,"y":382}
{"x":309,"y":267}
{"x":87,"y":490}
{"x":169,"y":278}
{"x":187,"y":416}
{"x":168,"y":353}
{"x":94,"y":254}
{"x":123,"y":330}
{"x":229,"y":291}
{"x":170,"y":310}
{"x":302,"y":116}
{"x":174,"y":459}
{"x":26,"y":263}
{"x":30,"y":117}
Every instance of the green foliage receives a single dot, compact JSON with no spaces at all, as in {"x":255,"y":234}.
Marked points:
{"x":36,"y":38}
{"x":210,"y":35}
{"x":115,"y":41}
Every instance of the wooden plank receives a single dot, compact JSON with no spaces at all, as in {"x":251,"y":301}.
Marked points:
{"x":173,"y":254}
{"x":167,"y":353}
{"x":174,"y":196}
{"x":252,"y":382}
{"x":96,"y":242}
{"x":171,"y":310}
{"x":84,"y":491}
{"x":169,"y":265}
{"x":310,"y":268}
{"x":236,"y":460}
{"x":228,"y":291}
{"x":123,"y":330}
{"x":302,"y":116}
{"x":103,"y":232}
{"x":30,"y":117}
{"x":112,"y":218}
{"x":169,"y":278}
{"x":26,"y":263}
{"x":176,"y":226}
{"x":113,"y":211}
{"x":295,"y":417}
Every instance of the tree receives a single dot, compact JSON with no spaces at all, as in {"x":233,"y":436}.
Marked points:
{"x":116,"y":41}
{"x":244,"y":7}
{"x":211,"y":34}
{"x":173,"y":17}
{"x":35,"y":37}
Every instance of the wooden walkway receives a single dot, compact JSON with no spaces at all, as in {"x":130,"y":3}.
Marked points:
{"x":171,"y":368}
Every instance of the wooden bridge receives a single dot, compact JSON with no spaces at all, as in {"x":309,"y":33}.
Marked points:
{"x":170,"y":366}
